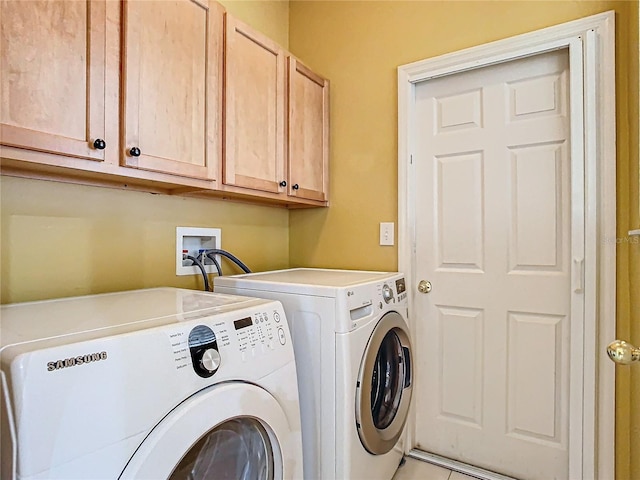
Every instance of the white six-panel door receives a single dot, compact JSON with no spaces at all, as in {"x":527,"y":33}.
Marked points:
{"x":493,"y":236}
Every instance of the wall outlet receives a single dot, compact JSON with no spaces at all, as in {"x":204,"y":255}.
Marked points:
{"x":192,"y":240}
{"x":387,"y":233}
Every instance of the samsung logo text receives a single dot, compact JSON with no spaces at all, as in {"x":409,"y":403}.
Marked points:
{"x":75,"y":361}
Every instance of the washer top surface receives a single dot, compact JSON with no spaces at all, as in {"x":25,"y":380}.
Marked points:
{"x":77,"y":318}
{"x":312,"y":277}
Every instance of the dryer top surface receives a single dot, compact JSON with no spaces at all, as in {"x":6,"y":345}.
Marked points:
{"x":109,"y":312}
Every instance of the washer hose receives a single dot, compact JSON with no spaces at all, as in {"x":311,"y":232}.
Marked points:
{"x":217,"y":251}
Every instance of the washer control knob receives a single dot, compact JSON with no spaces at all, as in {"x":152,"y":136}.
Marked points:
{"x":210,"y":360}
{"x":387,"y":293}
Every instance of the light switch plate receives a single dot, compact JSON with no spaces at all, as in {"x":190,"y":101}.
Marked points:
{"x":387,"y":233}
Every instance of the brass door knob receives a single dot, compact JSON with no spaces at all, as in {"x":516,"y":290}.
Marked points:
{"x":623,"y":352}
{"x":424,"y":286}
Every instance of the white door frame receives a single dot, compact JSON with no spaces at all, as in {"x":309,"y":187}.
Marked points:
{"x":591,"y":45}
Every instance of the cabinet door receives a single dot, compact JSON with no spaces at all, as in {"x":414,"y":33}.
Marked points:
{"x":308,"y":133}
{"x":172,"y":86}
{"x":52,"y":64}
{"x":254,"y":109}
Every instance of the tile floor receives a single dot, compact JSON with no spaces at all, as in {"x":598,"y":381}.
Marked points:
{"x":418,"y":470}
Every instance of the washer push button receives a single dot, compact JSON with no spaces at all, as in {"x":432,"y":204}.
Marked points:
{"x":281,"y":336}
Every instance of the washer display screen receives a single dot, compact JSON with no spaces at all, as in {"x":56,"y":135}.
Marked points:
{"x":242,"y":323}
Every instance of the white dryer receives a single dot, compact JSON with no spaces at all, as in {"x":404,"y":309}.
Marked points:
{"x":150,"y":384}
{"x":353,"y":354}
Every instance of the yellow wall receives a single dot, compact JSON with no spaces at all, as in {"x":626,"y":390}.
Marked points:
{"x":358,"y":46}
{"x":630,"y":394}
{"x":269,"y":17}
{"x":628,"y":318}
{"x":60,"y":240}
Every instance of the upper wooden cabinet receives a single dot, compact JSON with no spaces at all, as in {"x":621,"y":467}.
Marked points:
{"x":172,"y":86}
{"x":144,"y":94}
{"x":52,"y":71}
{"x":308,"y":133}
{"x":276,"y":120}
{"x":254,"y":110}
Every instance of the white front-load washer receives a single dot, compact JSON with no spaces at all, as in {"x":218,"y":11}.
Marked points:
{"x":149,"y":384}
{"x":353,"y":354}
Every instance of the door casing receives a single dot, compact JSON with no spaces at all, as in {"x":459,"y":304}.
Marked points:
{"x":591,"y":45}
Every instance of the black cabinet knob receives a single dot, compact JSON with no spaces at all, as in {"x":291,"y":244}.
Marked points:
{"x":134,"y":152}
{"x":283,"y":183}
{"x":99,"y":144}
{"x":296,"y":186}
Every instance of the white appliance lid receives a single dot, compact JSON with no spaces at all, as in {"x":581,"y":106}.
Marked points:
{"x":136,"y":309}
{"x":317,"y":277}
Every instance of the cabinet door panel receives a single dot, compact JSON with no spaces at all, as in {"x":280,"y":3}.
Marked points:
{"x":308,"y":135}
{"x":172,"y":86}
{"x":53,"y":76}
{"x":254,"y":133}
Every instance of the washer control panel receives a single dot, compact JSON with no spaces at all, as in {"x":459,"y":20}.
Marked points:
{"x":259,"y":333}
{"x":214,"y":344}
{"x":392,"y":292}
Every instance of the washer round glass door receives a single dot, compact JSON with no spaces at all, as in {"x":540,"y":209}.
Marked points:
{"x":232,"y":431}
{"x":383,"y":390}
{"x":237,"y":449}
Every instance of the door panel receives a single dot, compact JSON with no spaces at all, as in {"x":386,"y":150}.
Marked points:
{"x":533,"y":376}
{"x":461,"y":330}
{"x":536,"y":227}
{"x":460,"y":197}
{"x":493,"y":236}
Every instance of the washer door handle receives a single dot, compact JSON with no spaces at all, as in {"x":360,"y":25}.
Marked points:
{"x":406,"y":353}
